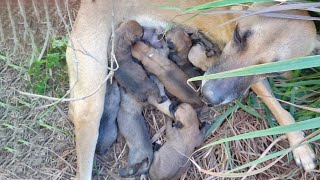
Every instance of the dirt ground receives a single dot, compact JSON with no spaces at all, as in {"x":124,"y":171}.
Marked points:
{"x":37,"y":142}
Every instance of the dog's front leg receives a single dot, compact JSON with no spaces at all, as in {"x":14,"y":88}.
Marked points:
{"x":87,"y":66}
{"x":303,"y":155}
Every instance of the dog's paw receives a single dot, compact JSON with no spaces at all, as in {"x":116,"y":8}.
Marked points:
{"x":305,"y":157}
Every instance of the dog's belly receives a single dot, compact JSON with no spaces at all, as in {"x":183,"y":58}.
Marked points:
{"x":149,"y":13}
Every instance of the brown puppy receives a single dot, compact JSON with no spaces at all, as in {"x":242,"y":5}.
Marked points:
{"x":131,"y":75}
{"x":179,"y":44}
{"x":198,"y":57}
{"x":171,"y":161}
{"x":173,"y":78}
{"x":132,"y":127}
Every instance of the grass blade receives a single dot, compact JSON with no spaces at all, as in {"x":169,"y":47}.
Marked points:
{"x":222,"y":3}
{"x":280,"y":66}
{"x":299,"y":126}
{"x":220,"y":120}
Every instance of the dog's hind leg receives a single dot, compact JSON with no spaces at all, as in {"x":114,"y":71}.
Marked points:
{"x":303,"y":155}
{"x":87,"y":66}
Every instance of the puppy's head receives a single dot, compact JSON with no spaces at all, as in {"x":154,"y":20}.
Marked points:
{"x":185,"y":114}
{"x":178,"y":40}
{"x":132,"y":30}
{"x":257,"y":40}
{"x":153,"y":36}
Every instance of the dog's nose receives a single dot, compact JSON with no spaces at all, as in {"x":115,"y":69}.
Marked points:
{"x":211,"y":96}
{"x":220,"y":91}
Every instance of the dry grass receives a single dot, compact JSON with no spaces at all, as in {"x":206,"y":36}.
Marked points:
{"x":39,"y":143}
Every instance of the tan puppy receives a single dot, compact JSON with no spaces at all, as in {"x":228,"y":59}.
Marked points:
{"x":204,"y":53}
{"x":171,"y":160}
{"x":131,"y":75}
{"x":172,"y":77}
{"x":133,"y":128}
{"x":198,"y":57}
{"x":179,"y":44}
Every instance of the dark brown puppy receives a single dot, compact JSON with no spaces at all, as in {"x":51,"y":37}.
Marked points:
{"x":108,"y":130}
{"x":179,"y":44}
{"x":171,"y":76}
{"x":131,"y":75}
{"x":132,"y":127}
{"x":171,"y":160}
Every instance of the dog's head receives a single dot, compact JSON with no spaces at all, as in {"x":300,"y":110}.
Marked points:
{"x":257,"y":40}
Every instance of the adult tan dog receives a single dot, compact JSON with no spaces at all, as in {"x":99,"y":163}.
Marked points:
{"x":87,"y":61}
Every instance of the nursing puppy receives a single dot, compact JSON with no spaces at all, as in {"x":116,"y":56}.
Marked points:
{"x":153,"y":37}
{"x":203,"y":53}
{"x":179,"y":44}
{"x":171,"y":76}
{"x":131,"y":75}
{"x":199,"y":58}
{"x":108,"y":130}
{"x":132,"y":127}
{"x":171,"y":160}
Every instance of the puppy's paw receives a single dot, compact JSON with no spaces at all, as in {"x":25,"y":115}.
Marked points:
{"x":305,"y":157}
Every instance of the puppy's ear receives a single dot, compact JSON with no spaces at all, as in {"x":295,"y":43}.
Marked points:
{"x":173,"y":107}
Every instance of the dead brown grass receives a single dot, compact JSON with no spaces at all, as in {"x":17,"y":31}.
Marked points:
{"x":39,"y":144}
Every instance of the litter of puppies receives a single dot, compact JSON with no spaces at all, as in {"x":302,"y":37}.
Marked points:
{"x":153,"y":70}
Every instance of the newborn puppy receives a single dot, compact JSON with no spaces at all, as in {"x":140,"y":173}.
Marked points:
{"x":153,"y":37}
{"x":197,"y":56}
{"x":171,"y":161}
{"x":179,"y":44}
{"x":203,"y":54}
{"x":171,"y":76}
{"x":108,"y":130}
{"x":132,"y":127}
{"x":131,"y":75}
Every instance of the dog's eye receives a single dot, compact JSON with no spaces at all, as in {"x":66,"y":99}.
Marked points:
{"x":240,"y":38}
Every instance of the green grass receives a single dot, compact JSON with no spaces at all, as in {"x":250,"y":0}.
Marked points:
{"x":50,"y":73}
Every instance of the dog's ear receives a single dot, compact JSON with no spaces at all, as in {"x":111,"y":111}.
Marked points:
{"x":173,"y":107}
